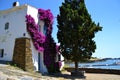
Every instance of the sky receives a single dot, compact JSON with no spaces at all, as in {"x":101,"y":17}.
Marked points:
{"x":106,"y":12}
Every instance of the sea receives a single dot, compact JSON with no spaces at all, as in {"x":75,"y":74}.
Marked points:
{"x":108,"y":63}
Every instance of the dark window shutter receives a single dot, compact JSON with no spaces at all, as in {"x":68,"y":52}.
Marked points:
{"x":2,"y":52}
{"x":59,"y":57}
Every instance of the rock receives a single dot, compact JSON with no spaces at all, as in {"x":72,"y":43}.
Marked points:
{"x":2,"y":76}
{"x":10,"y":79}
{"x":26,"y":78}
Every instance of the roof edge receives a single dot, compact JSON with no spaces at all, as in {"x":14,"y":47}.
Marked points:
{"x":15,"y":9}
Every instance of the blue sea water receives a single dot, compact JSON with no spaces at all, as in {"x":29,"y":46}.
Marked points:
{"x":106,"y":64}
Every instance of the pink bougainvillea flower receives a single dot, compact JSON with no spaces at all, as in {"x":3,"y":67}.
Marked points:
{"x":37,"y":37}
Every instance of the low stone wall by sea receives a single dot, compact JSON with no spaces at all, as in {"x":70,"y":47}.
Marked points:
{"x":94,"y":70}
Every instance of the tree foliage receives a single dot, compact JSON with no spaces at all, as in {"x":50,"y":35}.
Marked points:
{"x":76,"y":31}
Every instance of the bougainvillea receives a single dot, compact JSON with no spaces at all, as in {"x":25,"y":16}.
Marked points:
{"x":47,"y":17}
{"x":44,"y":42}
{"x":37,"y":37}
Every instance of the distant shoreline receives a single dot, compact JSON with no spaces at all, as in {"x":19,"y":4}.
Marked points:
{"x":93,"y":60}
{"x":103,"y":59}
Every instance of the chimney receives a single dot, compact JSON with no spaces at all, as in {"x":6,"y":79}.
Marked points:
{"x":15,"y":4}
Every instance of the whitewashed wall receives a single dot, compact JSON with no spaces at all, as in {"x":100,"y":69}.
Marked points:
{"x":16,"y":29}
{"x":62,"y":60}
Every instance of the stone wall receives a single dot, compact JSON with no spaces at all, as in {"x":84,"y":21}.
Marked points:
{"x":22,"y":56}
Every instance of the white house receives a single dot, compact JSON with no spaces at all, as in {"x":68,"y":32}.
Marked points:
{"x":12,"y":26}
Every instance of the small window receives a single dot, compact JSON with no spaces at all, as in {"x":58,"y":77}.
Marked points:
{"x":7,"y":26}
{"x":1,"y":52}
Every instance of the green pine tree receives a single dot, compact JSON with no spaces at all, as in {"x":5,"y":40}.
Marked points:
{"x":76,"y":31}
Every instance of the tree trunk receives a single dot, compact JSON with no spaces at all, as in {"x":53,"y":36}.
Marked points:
{"x":76,"y":66}
{"x":77,"y":72}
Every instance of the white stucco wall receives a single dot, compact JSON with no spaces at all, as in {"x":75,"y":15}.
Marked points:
{"x":17,"y":27}
{"x":62,"y":61}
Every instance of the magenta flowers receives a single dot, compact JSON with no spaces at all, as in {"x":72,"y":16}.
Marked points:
{"x":37,"y":37}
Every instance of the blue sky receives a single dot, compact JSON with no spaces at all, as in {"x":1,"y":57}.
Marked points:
{"x":106,"y":12}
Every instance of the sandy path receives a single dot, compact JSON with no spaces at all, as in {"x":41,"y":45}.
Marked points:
{"x":93,"y":76}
